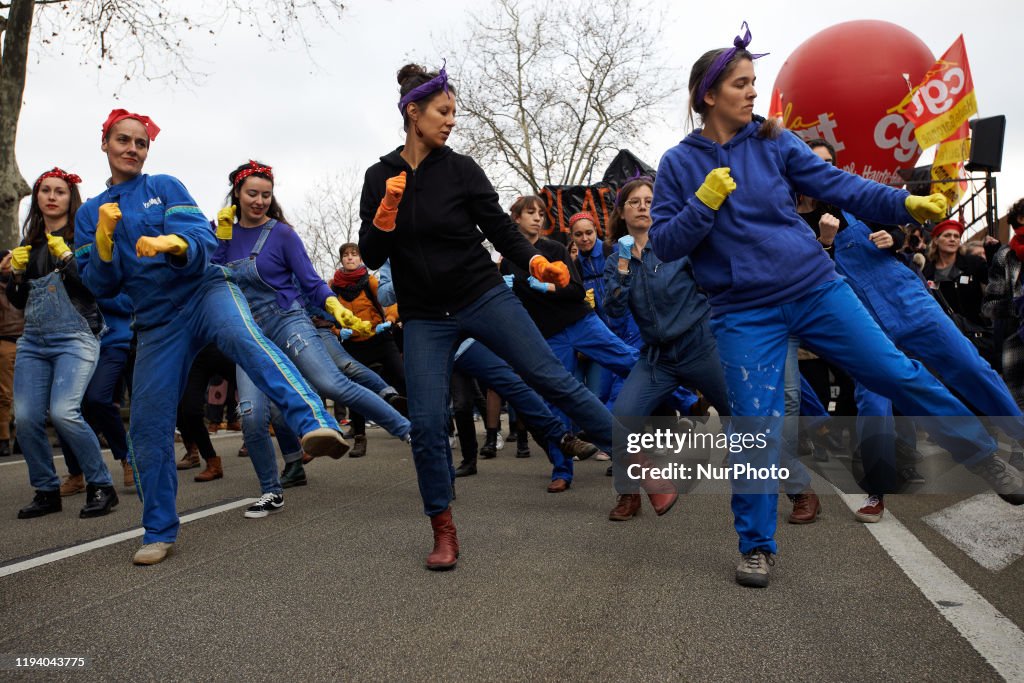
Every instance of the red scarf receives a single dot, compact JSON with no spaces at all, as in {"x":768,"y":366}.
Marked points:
{"x":342,"y":278}
{"x":1017,"y":243}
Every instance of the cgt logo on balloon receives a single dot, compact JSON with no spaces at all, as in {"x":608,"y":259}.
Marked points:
{"x":849,"y":85}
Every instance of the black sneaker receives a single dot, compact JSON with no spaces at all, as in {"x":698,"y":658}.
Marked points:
{"x":294,"y":474}
{"x":911,"y":475}
{"x":44,"y":503}
{"x":268,"y":502}
{"x":1004,"y":479}
{"x":99,"y":501}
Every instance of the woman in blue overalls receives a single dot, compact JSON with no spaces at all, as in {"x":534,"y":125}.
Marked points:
{"x":898,"y":300}
{"x":145,"y":236}
{"x":672,"y":317}
{"x":725,"y":199}
{"x":58,"y":352}
{"x":271,"y":267}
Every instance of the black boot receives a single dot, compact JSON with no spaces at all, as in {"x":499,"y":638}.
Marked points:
{"x":99,"y":501}
{"x":44,"y":503}
{"x":490,"y":448}
{"x":5,"y":448}
{"x":294,"y":474}
{"x":522,"y":444}
{"x":467,"y":467}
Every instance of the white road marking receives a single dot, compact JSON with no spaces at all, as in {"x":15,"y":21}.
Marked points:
{"x":987,"y":529}
{"x":111,"y":540}
{"x":997,"y":639}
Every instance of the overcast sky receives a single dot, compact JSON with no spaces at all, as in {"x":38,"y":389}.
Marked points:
{"x":271,"y":102}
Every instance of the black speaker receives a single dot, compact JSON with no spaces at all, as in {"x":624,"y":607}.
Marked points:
{"x":987,"y":144}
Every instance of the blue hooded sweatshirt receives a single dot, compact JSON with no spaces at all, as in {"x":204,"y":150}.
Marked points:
{"x":161,"y":286}
{"x":756,"y":250}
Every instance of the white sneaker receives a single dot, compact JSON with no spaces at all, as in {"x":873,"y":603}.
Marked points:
{"x":268,"y":502}
{"x":601,"y":455}
{"x":453,"y":442}
{"x":500,"y":443}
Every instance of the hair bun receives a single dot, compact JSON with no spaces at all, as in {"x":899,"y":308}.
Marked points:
{"x":410,"y":71}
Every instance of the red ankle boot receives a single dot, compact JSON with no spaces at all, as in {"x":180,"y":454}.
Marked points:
{"x":446,"y":543}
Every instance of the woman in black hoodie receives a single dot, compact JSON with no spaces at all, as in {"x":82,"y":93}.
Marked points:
{"x":428,"y":210}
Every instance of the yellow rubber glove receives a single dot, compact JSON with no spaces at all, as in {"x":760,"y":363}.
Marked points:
{"x":19,"y":258}
{"x":717,"y":186}
{"x":347,"y":318}
{"x":589,"y":298}
{"x":930,"y":208}
{"x":109,"y":215}
{"x":147,"y":247}
{"x":225,"y":222}
{"x":58,"y":247}
{"x":387,"y":212}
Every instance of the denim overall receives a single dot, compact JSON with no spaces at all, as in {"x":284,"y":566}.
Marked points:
{"x":903,"y":308}
{"x":55,"y":360}
{"x":293,"y":332}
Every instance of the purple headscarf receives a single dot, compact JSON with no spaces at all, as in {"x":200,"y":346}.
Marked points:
{"x":438,"y":82}
{"x":739,"y":43}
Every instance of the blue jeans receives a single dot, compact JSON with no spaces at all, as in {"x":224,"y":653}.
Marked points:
{"x":693,"y":360}
{"x":217,"y":313}
{"x":497,"y":319}
{"x":51,"y":373}
{"x":591,"y":337}
{"x":480,"y":362}
{"x":831,"y":321}
{"x":351,"y":368}
{"x":294,"y":333}
{"x":257,"y":413}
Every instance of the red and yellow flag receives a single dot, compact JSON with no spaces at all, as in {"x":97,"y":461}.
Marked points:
{"x":945,"y":99}
{"x":949,"y":162}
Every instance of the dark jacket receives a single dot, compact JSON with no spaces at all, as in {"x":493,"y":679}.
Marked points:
{"x":964,"y":292}
{"x":40,"y":263}
{"x":554,"y":311}
{"x":437,"y":255}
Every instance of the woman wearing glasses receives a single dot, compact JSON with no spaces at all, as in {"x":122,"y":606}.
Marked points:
{"x":672,"y":315}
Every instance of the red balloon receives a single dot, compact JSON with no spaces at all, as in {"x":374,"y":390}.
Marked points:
{"x":846,"y":84}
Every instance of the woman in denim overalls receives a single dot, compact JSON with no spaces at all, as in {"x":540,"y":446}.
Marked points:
{"x":269,"y":264}
{"x":58,"y":352}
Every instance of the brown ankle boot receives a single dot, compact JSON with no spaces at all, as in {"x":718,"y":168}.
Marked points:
{"x":446,"y":543}
{"x":190,"y":459}
{"x":627,"y":506}
{"x":72,"y":484}
{"x":213,"y":470}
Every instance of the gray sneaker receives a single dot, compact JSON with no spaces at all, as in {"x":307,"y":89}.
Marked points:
{"x":753,"y":568}
{"x":1004,"y":479}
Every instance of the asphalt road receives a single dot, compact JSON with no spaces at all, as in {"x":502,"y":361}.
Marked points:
{"x":333,"y":587}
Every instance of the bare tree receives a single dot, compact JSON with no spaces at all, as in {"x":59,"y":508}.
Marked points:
{"x":547,"y":90}
{"x":329,"y":217}
{"x":138,"y":38}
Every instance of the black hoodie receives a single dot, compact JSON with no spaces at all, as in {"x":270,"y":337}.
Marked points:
{"x":438,"y":260}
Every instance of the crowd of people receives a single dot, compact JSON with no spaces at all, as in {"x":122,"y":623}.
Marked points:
{"x":749,"y":275}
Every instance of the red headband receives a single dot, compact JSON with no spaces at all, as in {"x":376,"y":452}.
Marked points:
{"x":55,"y":172}
{"x":120,"y":114}
{"x":582,"y":215}
{"x":254,"y":167}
